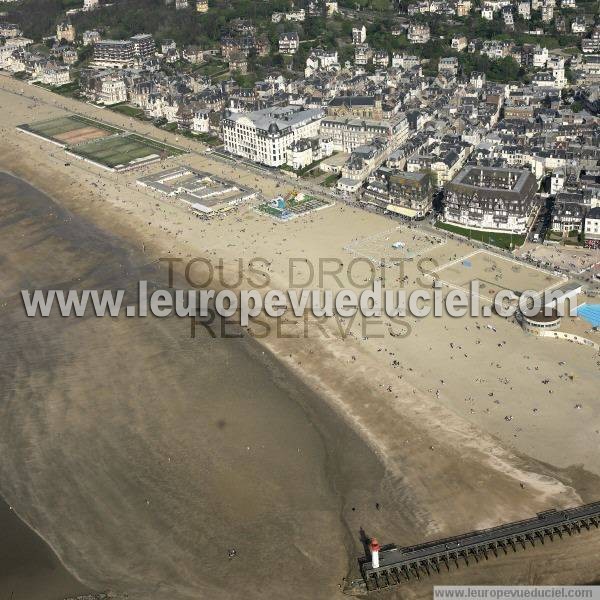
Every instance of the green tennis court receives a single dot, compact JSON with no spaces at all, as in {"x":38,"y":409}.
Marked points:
{"x":71,"y":129}
{"x":122,"y":151}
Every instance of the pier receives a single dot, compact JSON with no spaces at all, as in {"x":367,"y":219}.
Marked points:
{"x":400,"y":565}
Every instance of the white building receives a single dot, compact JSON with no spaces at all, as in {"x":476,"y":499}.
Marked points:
{"x":557,"y":65}
{"x":320,"y":59}
{"x":487,"y":13}
{"x":524,"y":10}
{"x":362,"y":55}
{"x":592,"y":228}
{"x":419,"y":33}
{"x":200,"y":122}
{"x":6,"y":53}
{"x":264,"y":136}
{"x":578,"y":25}
{"x":91,"y":37}
{"x":540,"y":57}
{"x":69,"y":56}
{"x":359,"y":35}
{"x":347,"y":134}
{"x":490,"y":198}
{"x":9,"y":30}
{"x":289,"y":43}
{"x":112,"y":91}
{"x":547,"y":12}
{"x":331,"y":7}
{"x":557,"y":181}
{"x":302,"y":153}
{"x":54,"y":74}
{"x":381,"y":59}
{"x":459,"y":43}
{"x":405,"y":61}
{"x":477,"y":79}
{"x":296,"y":15}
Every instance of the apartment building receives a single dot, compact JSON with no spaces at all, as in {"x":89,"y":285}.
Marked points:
{"x":123,"y":53}
{"x":359,"y":35}
{"x":347,"y":134}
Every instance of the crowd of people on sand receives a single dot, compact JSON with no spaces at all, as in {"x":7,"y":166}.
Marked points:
{"x":557,"y":260}
{"x":585,"y":263}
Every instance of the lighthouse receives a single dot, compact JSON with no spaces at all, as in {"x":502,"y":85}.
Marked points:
{"x":374,"y":547}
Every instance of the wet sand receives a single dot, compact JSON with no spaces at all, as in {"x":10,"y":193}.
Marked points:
{"x":143,"y":455}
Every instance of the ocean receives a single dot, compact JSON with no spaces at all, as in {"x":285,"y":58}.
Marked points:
{"x":152,"y":463}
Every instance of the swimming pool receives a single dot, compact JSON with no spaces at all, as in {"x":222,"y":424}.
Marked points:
{"x":590,"y":313}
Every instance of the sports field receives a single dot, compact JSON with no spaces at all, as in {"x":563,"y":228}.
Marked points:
{"x":401,"y":242}
{"x":495,"y":273}
{"x":70,"y":130}
{"x":125,"y":151}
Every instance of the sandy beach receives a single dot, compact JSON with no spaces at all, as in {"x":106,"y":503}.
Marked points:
{"x":405,"y":436}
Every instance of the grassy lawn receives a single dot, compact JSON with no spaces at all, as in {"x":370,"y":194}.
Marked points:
{"x":70,"y":90}
{"x":331,"y":180}
{"x":130,"y":111}
{"x":211,"y":140}
{"x":212,"y":68}
{"x":501,"y":240}
{"x":313,"y":174}
{"x":207,"y":138}
{"x":172,"y":127}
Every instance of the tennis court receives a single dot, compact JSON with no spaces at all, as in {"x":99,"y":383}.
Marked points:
{"x":125,"y":151}
{"x":70,"y":130}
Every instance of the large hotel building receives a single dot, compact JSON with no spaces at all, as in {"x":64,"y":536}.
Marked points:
{"x":490,"y":198}
{"x":265,"y":135}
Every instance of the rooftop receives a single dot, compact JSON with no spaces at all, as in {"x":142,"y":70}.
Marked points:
{"x":278,"y":117}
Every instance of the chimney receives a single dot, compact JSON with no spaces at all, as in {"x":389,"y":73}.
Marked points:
{"x":374,"y":547}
